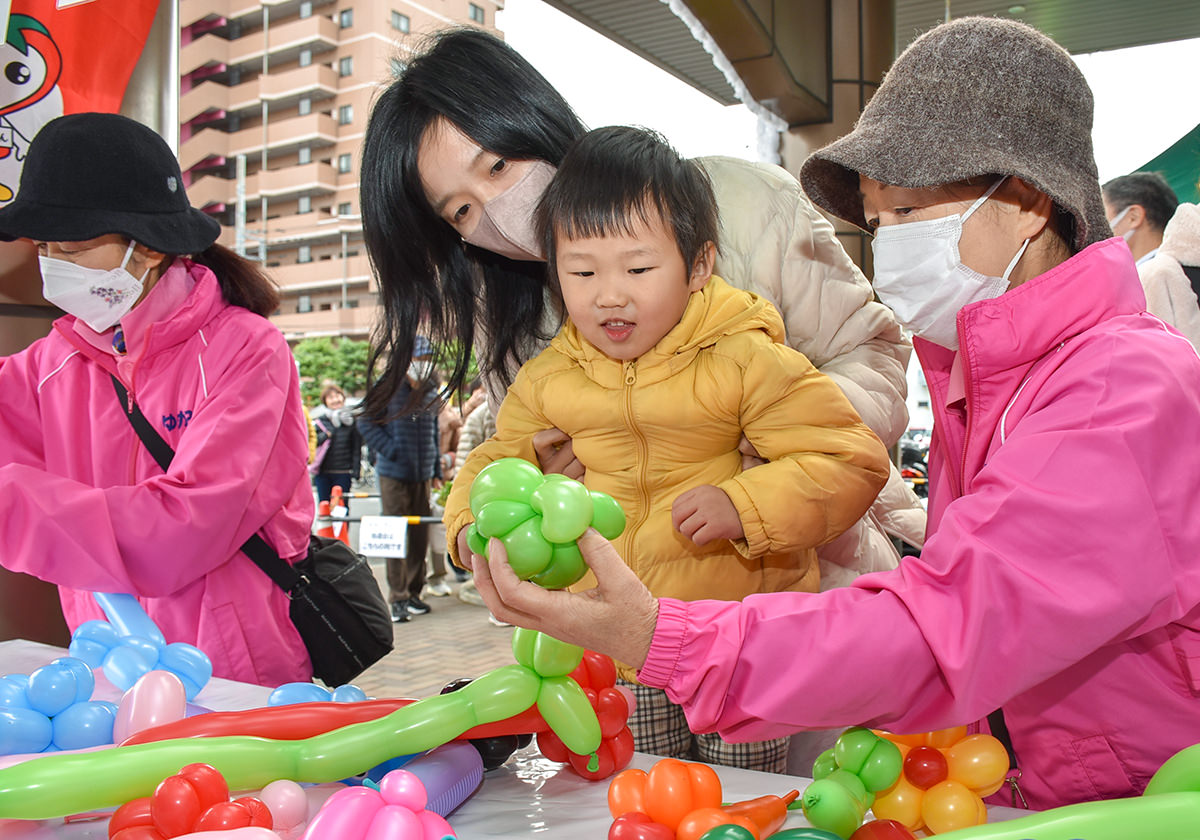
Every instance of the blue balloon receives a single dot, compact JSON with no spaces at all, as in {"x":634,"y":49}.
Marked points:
{"x":24,"y":731}
{"x":298,"y":692}
{"x":100,"y":632}
{"x":348,"y":694}
{"x":85,"y":681}
{"x":84,"y":725}
{"x":128,"y":617}
{"x":12,"y":693}
{"x":377,"y":772}
{"x":51,"y":689}
{"x":146,"y":647}
{"x":89,"y":652}
{"x":189,"y":663}
{"x":124,"y":666}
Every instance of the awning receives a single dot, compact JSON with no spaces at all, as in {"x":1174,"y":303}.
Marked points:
{"x":1180,"y":165}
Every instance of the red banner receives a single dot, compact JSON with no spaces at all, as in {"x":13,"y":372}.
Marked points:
{"x":63,"y":57}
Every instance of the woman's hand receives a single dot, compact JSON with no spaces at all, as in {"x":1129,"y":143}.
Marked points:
{"x":706,"y":513}
{"x":555,"y":454}
{"x":750,"y":456}
{"x":617,"y":617}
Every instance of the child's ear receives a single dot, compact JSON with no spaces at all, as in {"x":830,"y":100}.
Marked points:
{"x":702,"y":268}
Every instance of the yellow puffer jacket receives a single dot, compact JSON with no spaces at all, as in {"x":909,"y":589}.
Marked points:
{"x":649,"y":429}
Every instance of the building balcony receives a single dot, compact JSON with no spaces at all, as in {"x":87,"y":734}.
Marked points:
{"x":322,"y":274}
{"x":283,"y":137}
{"x":306,"y":179}
{"x":356,"y":322}
{"x":214,"y":97}
{"x":194,"y":11}
{"x":284,"y":43}
{"x":316,"y":81}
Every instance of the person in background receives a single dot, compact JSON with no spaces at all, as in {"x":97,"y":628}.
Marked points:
{"x":312,"y":434}
{"x":342,"y":461}
{"x":180,"y":322}
{"x":1138,"y":207}
{"x":458,"y":149}
{"x":1171,"y":279}
{"x":405,"y":440}
{"x":658,"y":373}
{"x":1058,"y":591}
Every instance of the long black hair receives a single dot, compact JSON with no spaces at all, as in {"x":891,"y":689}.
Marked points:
{"x":243,"y":283}
{"x":429,"y":279}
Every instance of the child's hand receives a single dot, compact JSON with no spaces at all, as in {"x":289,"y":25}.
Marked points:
{"x":704,"y":514}
{"x":555,"y":454}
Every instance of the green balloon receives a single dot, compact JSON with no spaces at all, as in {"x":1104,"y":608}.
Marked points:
{"x":728,"y":832}
{"x":528,"y":551}
{"x":607,"y":516}
{"x":825,"y":764}
{"x":566,"y":709}
{"x":853,"y":746}
{"x":566,"y":508}
{"x":512,"y":479}
{"x":499,"y":516}
{"x":804,"y":834}
{"x":546,"y":655}
{"x":882,"y":767}
{"x":476,"y":541}
{"x":830,"y":806}
{"x":566,"y":567}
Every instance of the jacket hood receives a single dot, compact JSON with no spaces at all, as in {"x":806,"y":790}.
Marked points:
{"x":1181,"y":236}
{"x":716,"y":311}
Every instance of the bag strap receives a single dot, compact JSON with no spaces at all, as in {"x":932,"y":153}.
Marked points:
{"x":266,"y":558}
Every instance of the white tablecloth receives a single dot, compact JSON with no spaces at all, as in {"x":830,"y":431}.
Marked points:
{"x":528,"y":797}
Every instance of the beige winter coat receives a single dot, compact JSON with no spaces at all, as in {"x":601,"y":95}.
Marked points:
{"x":1169,"y":293}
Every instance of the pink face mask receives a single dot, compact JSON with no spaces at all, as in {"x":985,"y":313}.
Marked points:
{"x":506,"y":221}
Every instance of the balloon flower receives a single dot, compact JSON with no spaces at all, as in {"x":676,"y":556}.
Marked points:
{"x":130,"y":644}
{"x":307,"y":692}
{"x":538,"y":518}
{"x":51,"y":709}
{"x":847,"y":778}
{"x":946,"y":775}
{"x":194,"y":799}
{"x":396,"y":811}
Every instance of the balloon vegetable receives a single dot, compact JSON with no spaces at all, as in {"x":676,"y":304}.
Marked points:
{"x":538,"y":518}
{"x":396,"y":811}
{"x":946,"y":775}
{"x":50,"y":709}
{"x":597,"y":676}
{"x":194,"y":799}
{"x":846,"y":778}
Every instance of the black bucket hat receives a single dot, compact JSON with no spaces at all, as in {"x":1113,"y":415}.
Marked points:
{"x":975,"y":96}
{"x":87,"y":175}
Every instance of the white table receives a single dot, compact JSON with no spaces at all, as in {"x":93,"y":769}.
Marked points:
{"x":528,"y":796}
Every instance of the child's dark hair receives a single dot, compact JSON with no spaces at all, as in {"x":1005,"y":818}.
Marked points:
{"x":612,"y":173}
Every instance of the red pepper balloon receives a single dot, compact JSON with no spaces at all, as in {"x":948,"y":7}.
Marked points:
{"x":637,"y":826}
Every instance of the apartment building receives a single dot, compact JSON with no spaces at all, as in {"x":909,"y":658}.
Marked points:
{"x":274,"y":101}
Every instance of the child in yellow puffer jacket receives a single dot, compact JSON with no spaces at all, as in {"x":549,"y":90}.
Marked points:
{"x":655,"y":377}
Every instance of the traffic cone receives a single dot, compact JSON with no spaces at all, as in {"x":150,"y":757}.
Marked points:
{"x":324,"y":525}
{"x":337,"y":504}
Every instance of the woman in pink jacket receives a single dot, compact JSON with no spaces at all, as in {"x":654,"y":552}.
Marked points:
{"x":85,"y":505}
{"x":1059,"y":587}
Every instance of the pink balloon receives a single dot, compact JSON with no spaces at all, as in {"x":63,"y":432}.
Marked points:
{"x":630,"y":699}
{"x":394,"y":822}
{"x":347,"y":814}
{"x":287,"y":803}
{"x":157,"y":697}
{"x":250,"y":832}
{"x":435,"y":825}
{"x":400,"y":787}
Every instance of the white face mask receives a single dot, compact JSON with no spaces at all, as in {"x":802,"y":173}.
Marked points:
{"x":98,"y":297}
{"x":1116,"y":220}
{"x":419,"y":371}
{"x":506,"y":221}
{"x":921,"y":278}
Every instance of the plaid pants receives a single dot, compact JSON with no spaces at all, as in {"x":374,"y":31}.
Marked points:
{"x":660,"y":728}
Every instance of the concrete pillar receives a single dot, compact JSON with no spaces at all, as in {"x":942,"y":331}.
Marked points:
{"x":862,"y":34}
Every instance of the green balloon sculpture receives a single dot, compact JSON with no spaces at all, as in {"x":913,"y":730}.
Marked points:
{"x":538,"y":518}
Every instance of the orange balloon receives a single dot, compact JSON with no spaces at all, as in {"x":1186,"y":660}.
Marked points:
{"x":675,"y":788}
{"x":942,"y":738}
{"x":978,"y":761}
{"x":695,"y":824}
{"x":902,"y":803}
{"x":627,"y":792}
{"x":951,"y":805}
{"x":917,"y":739}
{"x":988,"y":791}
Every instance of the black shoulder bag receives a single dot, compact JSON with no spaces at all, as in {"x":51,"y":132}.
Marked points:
{"x":334,"y":598}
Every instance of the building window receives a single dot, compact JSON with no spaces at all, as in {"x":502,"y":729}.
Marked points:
{"x":476,"y":13}
{"x":304,"y":106}
{"x":304,"y":303}
{"x":346,"y":65}
{"x":345,"y":208}
{"x":400,"y":21}
{"x":346,"y":18}
{"x":304,"y":155}
{"x":304,"y":204}
{"x":306,"y":9}
{"x":304,"y":255}
{"x":305,"y":57}
{"x":345,"y":163}
{"x":345,"y":114}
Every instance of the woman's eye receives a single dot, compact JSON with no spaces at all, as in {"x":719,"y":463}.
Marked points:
{"x":461,"y":212}
{"x":902,"y":211}
{"x":499,"y":166}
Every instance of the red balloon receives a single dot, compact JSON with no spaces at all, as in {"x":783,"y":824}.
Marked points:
{"x":138,"y":832}
{"x":637,"y":826}
{"x":552,"y":747}
{"x":611,"y":756}
{"x":174,"y":807}
{"x":208,"y":783}
{"x":925,"y":767}
{"x":611,"y":710}
{"x":882,"y":830}
{"x":222,"y":816}
{"x":135,"y":812}
{"x":595,"y":671}
{"x":259,"y":813}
